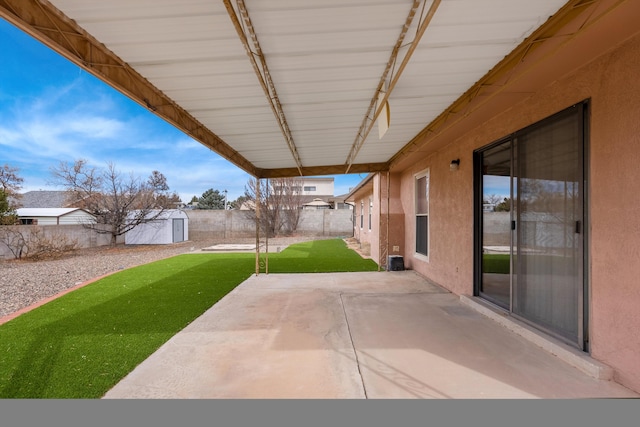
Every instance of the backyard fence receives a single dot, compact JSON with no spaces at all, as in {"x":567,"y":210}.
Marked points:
{"x":204,"y":225}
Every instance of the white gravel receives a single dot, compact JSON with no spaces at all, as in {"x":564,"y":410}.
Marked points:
{"x":23,"y":283}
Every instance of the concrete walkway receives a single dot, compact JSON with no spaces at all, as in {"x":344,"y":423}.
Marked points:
{"x":352,"y":336}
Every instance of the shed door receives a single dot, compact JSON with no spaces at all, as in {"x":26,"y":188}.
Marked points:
{"x":178,"y":230}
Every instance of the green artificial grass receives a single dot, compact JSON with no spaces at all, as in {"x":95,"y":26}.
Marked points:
{"x":319,"y":256}
{"x":496,"y":263}
{"x":500,"y":263}
{"x":81,"y":344}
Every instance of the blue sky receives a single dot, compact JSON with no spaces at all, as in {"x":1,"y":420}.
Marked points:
{"x":53,"y":111}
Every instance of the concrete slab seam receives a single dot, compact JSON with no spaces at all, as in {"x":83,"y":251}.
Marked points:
{"x":355,"y":352}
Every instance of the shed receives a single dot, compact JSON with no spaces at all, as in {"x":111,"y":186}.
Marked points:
{"x":54,"y":216}
{"x":172,"y":226}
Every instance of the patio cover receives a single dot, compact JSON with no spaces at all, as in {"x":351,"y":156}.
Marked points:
{"x":289,"y":88}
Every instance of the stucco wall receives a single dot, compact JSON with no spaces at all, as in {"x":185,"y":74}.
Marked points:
{"x":364,"y":235}
{"x":612,"y":85}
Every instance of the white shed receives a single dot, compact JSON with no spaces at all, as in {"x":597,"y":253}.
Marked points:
{"x":54,"y":216}
{"x":172,"y":226}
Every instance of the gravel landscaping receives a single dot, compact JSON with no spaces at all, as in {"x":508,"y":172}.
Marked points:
{"x":23,"y":283}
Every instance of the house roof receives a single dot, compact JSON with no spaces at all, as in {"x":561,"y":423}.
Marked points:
{"x":43,"y":199}
{"x":283,"y":88}
{"x":47,"y":212}
{"x":364,"y":186}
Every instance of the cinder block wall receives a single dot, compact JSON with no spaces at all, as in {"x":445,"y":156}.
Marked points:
{"x":208,"y":225}
{"x":84,"y":237}
{"x":217,"y":224}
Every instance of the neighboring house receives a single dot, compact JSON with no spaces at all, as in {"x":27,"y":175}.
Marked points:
{"x":314,"y":193}
{"x":54,"y":216}
{"x":43,"y":199}
{"x":317,"y":187}
{"x":172,"y":226}
{"x":340,"y":202}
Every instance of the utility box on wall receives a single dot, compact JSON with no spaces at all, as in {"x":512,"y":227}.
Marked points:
{"x":395,"y":263}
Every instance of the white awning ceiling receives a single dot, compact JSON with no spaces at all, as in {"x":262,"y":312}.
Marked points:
{"x":325,"y":58}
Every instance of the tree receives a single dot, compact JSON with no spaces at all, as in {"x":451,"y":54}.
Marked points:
{"x":493,"y":199}
{"x":10,"y":182}
{"x":504,"y":206}
{"x":8,"y":214}
{"x":211,"y":199}
{"x":10,"y":185}
{"x":168,"y":201}
{"x":119,"y":203}
{"x":163,"y":199}
{"x":279,"y":202}
{"x":237,"y":203}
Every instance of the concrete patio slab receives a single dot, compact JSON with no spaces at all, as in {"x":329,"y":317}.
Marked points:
{"x":230,"y":247}
{"x":352,"y":336}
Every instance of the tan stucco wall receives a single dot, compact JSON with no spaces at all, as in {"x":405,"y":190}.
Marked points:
{"x":387,"y":218}
{"x":611,"y":83}
{"x":396,"y":226}
{"x":363,"y":234}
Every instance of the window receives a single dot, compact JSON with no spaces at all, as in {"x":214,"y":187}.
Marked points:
{"x":370,"y":209}
{"x":310,"y":188}
{"x":361,"y":214}
{"x":422,"y":213}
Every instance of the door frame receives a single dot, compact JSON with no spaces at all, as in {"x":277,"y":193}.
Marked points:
{"x":584,"y":289}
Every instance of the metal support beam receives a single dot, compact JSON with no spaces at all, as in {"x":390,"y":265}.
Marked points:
{"x":258,"y":196}
{"x":510,"y":68}
{"x":249,"y":40}
{"x":390,"y":73}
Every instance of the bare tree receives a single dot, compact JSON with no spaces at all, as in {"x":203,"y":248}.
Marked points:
{"x":291,"y":193}
{"x":494,"y":199}
{"x":279,"y":203}
{"x":119,"y":203}
{"x":10,"y":182}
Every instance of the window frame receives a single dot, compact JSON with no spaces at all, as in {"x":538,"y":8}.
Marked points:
{"x":420,"y":175}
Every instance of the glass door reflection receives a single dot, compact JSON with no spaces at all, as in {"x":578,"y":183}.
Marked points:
{"x":496,"y":224}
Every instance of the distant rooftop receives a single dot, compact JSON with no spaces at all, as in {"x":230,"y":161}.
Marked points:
{"x":44,"y":199}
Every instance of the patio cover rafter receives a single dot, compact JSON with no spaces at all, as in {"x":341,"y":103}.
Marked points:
{"x":513,"y":67}
{"x":249,"y":40}
{"x":392,"y":74}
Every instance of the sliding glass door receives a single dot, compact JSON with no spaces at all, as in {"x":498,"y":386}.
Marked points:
{"x":496,"y":231}
{"x":531,"y":233}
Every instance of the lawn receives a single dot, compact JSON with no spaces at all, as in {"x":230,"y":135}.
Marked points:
{"x":496,"y":263}
{"x":81,"y":344}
